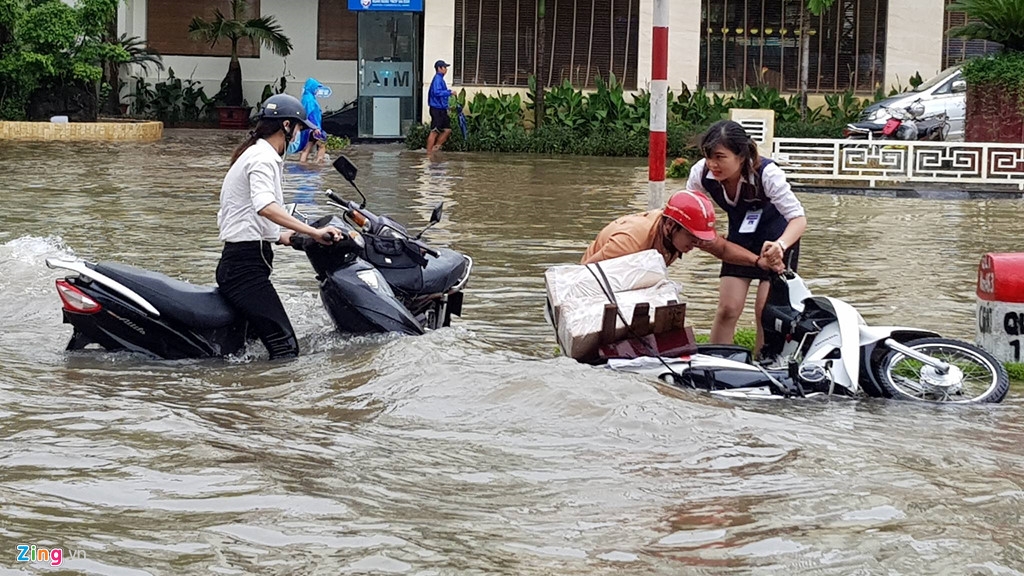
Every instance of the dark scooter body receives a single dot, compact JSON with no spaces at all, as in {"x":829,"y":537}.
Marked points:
{"x":415,"y":288}
{"x":121,"y":307}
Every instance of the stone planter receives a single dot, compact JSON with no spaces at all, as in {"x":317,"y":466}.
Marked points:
{"x":82,"y":131}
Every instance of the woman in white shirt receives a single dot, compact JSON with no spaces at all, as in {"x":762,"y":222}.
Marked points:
{"x":250,"y":218}
{"x":765,"y":217}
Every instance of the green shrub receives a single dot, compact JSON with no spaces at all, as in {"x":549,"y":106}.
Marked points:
{"x":1016,"y":371}
{"x":335,"y":143}
{"x":417,"y":136}
{"x":606,"y":123}
{"x":684,"y":139}
{"x":679,"y":168}
{"x":824,"y":129}
{"x":1002,"y":72}
{"x":47,"y":48}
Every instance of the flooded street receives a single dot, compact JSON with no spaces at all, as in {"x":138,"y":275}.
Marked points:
{"x":475,"y":449}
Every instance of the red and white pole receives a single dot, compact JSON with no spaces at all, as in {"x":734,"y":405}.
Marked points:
{"x":659,"y":106}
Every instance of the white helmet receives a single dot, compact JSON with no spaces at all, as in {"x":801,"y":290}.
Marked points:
{"x":916,"y":109}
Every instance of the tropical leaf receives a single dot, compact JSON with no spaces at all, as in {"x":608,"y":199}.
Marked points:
{"x":1000,"y":21}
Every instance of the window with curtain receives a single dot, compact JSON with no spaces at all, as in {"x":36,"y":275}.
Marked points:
{"x":496,"y":42}
{"x":167,"y":27}
{"x":336,"y":31}
{"x":757,"y":43}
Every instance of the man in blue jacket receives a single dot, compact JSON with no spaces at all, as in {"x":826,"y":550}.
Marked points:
{"x":437,"y":99}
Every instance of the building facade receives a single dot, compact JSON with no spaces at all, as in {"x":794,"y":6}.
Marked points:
{"x":380,"y":53}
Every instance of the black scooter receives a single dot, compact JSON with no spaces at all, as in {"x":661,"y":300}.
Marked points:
{"x":376,"y":279}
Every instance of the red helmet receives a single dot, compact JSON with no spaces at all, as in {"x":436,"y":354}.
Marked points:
{"x":692,"y":210}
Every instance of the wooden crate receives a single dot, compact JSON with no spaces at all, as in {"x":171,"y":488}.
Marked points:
{"x":668,"y":336}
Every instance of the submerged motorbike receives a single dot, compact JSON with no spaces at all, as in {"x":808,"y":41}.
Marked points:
{"x":907,"y":123}
{"x":376,"y":279}
{"x":820,"y":346}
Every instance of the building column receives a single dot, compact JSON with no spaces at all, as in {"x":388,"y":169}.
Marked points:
{"x":913,"y":37}
{"x":683,"y":44}
{"x":438,"y":43}
{"x":132,"y":18}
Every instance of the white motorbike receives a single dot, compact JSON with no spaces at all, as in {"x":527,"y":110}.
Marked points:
{"x":820,"y":346}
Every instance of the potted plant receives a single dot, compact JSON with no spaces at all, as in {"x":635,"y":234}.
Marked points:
{"x":263,"y":30}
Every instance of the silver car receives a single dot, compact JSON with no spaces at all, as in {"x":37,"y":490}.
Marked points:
{"x":945,"y":92}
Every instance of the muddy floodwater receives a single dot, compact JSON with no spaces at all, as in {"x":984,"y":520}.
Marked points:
{"x":475,"y":449}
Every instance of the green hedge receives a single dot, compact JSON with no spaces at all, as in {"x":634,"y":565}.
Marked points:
{"x":1004,"y":70}
{"x":607,"y":123}
{"x":605,"y":141}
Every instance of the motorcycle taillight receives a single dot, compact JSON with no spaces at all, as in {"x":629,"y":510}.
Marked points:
{"x":75,"y":300}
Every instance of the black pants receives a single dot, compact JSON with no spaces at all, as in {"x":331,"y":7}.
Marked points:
{"x":243,"y":277}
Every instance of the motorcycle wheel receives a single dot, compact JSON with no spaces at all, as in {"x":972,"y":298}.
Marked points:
{"x":975,"y":376}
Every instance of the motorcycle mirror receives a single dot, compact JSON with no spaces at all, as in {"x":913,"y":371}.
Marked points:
{"x":290,"y":208}
{"x":346,"y":168}
{"x":348,"y":171}
{"x":435,"y":217}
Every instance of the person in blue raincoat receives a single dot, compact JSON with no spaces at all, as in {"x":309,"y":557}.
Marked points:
{"x":314,"y":138}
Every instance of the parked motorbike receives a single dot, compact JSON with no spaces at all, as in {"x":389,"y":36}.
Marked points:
{"x":820,"y":346}
{"x":907,"y":123}
{"x":376,"y":279}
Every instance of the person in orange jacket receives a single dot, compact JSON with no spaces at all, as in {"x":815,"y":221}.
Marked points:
{"x":686,"y":222}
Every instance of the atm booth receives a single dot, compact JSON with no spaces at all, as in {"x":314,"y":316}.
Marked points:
{"x":389,"y":66}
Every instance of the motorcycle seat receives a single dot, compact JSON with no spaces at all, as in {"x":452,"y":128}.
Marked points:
{"x":189,"y":304}
{"x":443,"y":272}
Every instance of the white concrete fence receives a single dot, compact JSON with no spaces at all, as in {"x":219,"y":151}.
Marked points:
{"x":874,"y":163}
{"x":886,"y":162}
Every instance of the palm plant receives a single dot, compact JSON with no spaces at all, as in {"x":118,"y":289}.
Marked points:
{"x":139,"y":55}
{"x":999,"y":21}
{"x":263,"y":30}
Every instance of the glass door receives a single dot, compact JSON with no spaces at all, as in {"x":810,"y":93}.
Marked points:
{"x":389,"y":73}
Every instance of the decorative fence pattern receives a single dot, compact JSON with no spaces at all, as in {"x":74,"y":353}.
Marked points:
{"x":894,"y":162}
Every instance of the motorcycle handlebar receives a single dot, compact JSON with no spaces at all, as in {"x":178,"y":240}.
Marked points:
{"x":427,"y":249}
{"x":300,"y":241}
